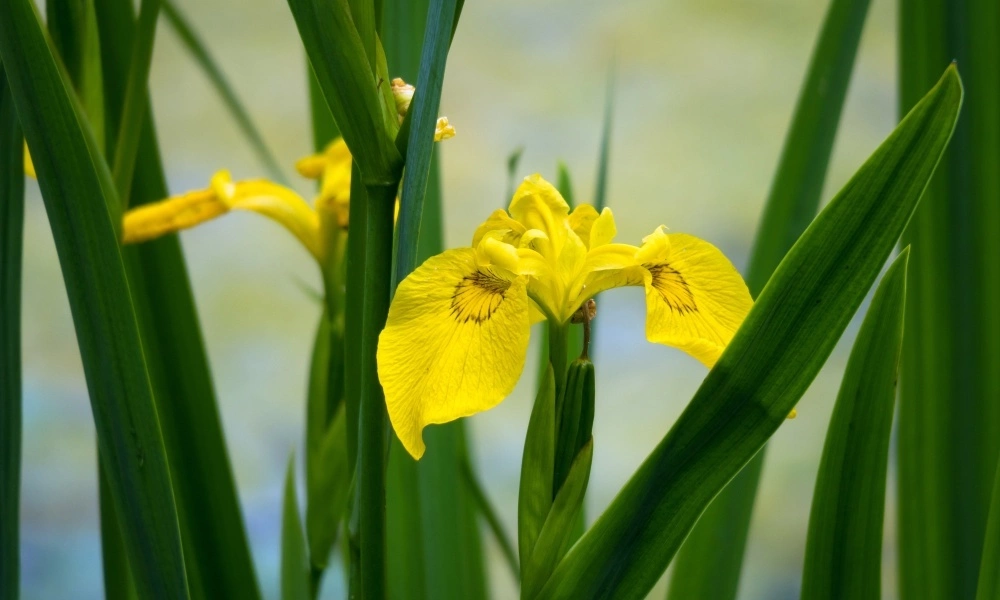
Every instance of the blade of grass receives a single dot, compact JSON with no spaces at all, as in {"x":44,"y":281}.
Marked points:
{"x":216,"y":549}
{"x":118,"y":581}
{"x":844,"y":547}
{"x":949,"y":410}
{"x":601,"y":188}
{"x":11,"y":240}
{"x":710,"y":561}
{"x":134,"y":103}
{"x":77,"y":190}
{"x":773,"y":358}
{"x":989,"y":569}
{"x":199,"y":51}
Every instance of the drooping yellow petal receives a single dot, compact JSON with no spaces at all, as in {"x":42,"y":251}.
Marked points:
{"x":187,"y":210}
{"x":156,"y":219}
{"x":695,"y":298}
{"x":454,"y":344}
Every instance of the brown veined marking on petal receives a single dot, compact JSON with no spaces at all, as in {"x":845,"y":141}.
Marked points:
{"x":673,"y":288}
{"x":478,"y":296}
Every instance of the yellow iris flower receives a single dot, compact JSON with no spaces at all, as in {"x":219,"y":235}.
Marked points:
{"x":457,"y":333}
{"x":309,"y":224}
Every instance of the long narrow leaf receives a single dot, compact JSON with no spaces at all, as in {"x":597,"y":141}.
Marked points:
{"x":217,"y":78}
{"x":709,"y":563}
{"x":216,"y":549}
{"x":844,"y":548}
{"x":294,"y":563}
{"x":770,"y":362}
{"x":11,"y":238}
{"x":949,"y":406}
{"x":75,"y":183}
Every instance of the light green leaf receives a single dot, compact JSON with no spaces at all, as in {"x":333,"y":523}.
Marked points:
{"x":844,"y":548}
{"x":77,"y":190}
{"x":558,"y":526}
{"x":770,"y":362}
{"x":535,"y":494}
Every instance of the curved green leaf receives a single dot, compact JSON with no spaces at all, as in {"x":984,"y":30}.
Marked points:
{"x":844,"y":548}
{"x":989,"y":569}
{"x":294,"y":562}
{"x":77,"y":190}
{"x":770,"y":362}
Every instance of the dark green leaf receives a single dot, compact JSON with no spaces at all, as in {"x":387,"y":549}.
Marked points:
{"x":73,"y":28}
{"x":601,"y":189}
{"x":558,"y":526}
{"x":844,"y":548}
{"x":11,"y":238}
{"x":134,"y":109}
{"x":493,"y":519}
{"x":294,"y":563}
{"x":709,"y":562}
{"x":118,"y":582}
{"x":328,"y":493}
{"x":337,"y":55}
{"x":949,"y":404}
{"x":770,"y":362}
{"x":199,"y":51}
{"x":77,"y":190}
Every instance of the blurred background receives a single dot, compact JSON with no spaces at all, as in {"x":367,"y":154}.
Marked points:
{"x":705,"y":91}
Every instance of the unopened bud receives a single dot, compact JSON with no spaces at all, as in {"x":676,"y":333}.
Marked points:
{"x":402,"y":92}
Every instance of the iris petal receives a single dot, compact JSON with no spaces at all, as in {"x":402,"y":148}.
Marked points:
{"x":454,"y":344}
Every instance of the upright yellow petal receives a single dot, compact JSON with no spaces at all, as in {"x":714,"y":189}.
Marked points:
{"x":454,"y":344}
{"x":537,"y":204}
{"x":593,"y":229}
{"x":695,"y":298}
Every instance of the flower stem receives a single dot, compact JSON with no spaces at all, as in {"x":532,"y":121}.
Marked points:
{"x":370,"y":496}
{"x":558,"y":333}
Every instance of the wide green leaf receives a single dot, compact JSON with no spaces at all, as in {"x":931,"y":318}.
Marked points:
{"x":844,"y":548}
{"x":710,"y":561}
{"x":949,"y":404}
{"x":77,"y":190}
{"x":11,"y":238}
{"x":199,"y":51}
{"x":770,"y":362}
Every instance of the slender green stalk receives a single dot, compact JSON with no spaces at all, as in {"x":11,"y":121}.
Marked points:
{"x":709,"y":563}
{"x":134,"y":107}
{"x":372,"y":435}
{"x":217,"y":78}
{"x":11,"y":239}
{"x":949,"y":411}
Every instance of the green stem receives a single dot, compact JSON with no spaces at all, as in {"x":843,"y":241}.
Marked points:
{"x":558,"y":333}
{"x":372,"y":446}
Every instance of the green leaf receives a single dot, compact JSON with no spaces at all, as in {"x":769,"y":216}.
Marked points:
{"x":536,"y":492}
{"x":558,"y":526}
{"x":709,"y":562}
{"x":601,"y":189}
{"x":11,"y":240}
{"x":949,"y":404}
{"x":118,"y":581}
{"x":216,"y":549}
{"x":493,"y":519}
{"x":72,"y":25}
{"x":338,"y":58}
{"x":77,"y":190}
{"x":199,"y":51}
{"x":770,"y":362}
{"x":844,"y":548}
{"x":294,"y":563}
{"x":513,"y":160}
{"x":135,"y":103}
{"x":327,"y":496}
{"x":989,"y":569}
{"x":323,"y":127}
{"x":575,"y":416}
